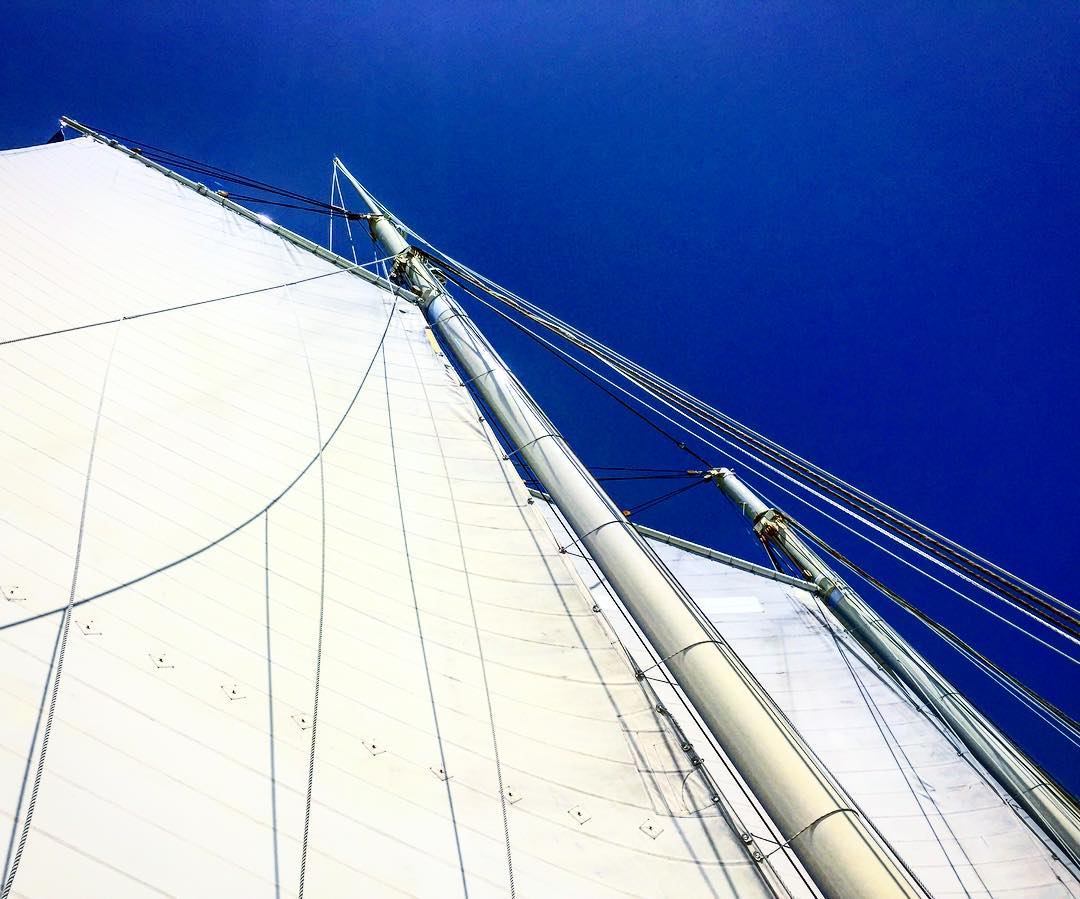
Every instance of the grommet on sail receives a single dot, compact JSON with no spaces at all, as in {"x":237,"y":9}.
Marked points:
{"x":280,"y":615}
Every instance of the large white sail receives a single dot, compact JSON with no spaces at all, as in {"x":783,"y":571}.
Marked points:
{"x":946,"y":817}
{"x":318,"y":637}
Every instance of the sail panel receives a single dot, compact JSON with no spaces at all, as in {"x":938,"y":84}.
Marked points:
{"x":942,"y":812}
{"x":319,"y":631}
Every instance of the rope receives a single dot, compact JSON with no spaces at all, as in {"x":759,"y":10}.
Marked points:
{"x":575,"y":365}
{"x":322,"y":601}
{"x":270,"y":705}
{"x":992,"y":578}
{"x":243,"y":524}
{"x":882,"y":725}
{"x":583,"y":366}
{"x":420,"y":628}
{"x":655,"y":501}
{"x":30,"y":754}
{"x":195,"y":165}
{"x":827,"y":499}
{"x":65,"y":629}
{"x":1062,"y":722}
{"x":475,"y":621}
{"x":191,"y":305}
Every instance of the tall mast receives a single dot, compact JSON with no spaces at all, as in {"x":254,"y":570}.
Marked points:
{"x":1044,"y":800}
{"x":843,"y":854}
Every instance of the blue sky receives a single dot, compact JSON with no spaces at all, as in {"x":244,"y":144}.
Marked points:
{"x":854,"y":227}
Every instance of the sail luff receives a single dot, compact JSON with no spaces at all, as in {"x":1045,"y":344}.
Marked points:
{"x":1043,"y":799}
{"x":844,"y":855}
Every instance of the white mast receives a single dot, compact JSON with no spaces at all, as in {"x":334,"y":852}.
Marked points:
{"x":1027,"y":784}
{"x":844,"y":855}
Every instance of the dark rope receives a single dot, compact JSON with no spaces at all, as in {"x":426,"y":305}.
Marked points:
{"x":655,"y":501}
{"x":65,"y":629}
{"x":191,"y":305}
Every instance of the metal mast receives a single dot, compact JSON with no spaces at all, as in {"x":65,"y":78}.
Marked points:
{"x":1035,"y":791}
{"x":845,"y":856}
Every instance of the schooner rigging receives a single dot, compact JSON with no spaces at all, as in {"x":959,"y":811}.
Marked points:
{"x":320,"y":637}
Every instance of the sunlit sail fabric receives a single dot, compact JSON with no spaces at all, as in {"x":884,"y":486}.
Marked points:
{"x":958,"y":830}
{"x":318,"y":634}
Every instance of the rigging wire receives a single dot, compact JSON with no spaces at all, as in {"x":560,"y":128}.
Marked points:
{"x":630,"y":468}
{"x":973,"y":568}
{"x":1051,"y":617}
{"x":1062,"y":721}
{"x":176,"y":308}
{"x":570,"y":361}
{"x":657,"y":664}
{"x":331,"y":212}
{"x":991,"y":577}
{"x":195,"y":165}
{"x":942,"y":550}
{"x":348,"y":224}
{"x":656,"y":501}
{"x":583,"y":367}
{"x":645,"y":477}
{"x":988,"y":576}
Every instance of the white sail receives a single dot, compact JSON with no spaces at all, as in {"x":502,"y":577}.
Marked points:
{"x":949,"y":821}
{"x":319,"y":639}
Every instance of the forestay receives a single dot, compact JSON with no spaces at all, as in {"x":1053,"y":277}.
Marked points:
{"x":319,"y":640}
{"x":948,"y":820}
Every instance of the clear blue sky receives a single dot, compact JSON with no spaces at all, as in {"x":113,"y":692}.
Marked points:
{"x":854,"y":227}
